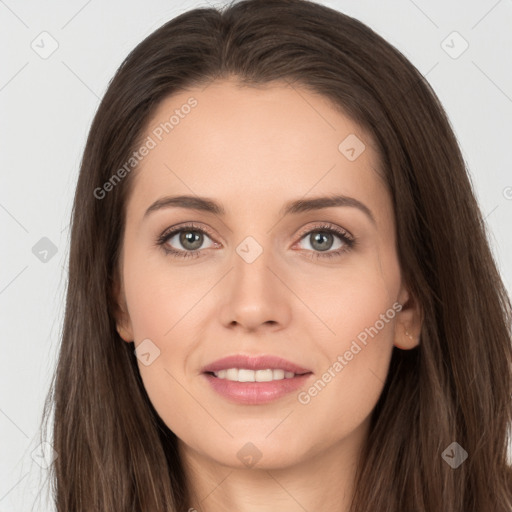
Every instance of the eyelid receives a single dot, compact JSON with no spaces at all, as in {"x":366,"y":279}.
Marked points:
{"x":327,"y":226}
{"x":183,"y":227}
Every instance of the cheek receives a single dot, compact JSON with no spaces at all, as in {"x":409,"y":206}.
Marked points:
{"x":158,"y":296}
{"x":352,"y":302}
{"x":356,"y":363}
{"x":160,"y":306}
{"x":360,"y":312}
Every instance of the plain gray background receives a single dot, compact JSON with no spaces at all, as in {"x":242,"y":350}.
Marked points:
{"x":47,"y":104}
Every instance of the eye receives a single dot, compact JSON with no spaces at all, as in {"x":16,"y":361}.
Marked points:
{"x":322,"y":238}
{"x":190,"y":237}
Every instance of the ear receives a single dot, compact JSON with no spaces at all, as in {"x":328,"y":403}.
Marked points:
{"x":122,"y":317}
{"x":409,"y":321}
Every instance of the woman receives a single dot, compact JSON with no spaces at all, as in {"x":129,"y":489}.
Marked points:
{"x":281,"y":292}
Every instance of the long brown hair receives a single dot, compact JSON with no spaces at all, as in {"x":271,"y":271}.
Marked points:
{"x":115,"y":453}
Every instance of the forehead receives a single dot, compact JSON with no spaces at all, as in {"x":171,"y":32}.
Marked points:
{"x":254,"y":146}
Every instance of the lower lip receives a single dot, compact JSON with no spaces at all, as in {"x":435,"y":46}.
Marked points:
{"x":254,"y":393}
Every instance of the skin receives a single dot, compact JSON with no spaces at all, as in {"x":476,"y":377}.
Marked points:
{"x":252,"y":150}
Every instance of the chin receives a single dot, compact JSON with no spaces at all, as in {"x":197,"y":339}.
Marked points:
{"x":256,"y":453}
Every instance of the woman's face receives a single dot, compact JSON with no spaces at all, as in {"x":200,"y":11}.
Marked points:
{"x":274,"y":274}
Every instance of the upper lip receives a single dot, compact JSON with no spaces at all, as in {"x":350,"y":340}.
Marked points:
{"x":261,"y":362}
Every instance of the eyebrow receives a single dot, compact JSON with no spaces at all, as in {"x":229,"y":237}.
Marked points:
{"x":294,"y":207}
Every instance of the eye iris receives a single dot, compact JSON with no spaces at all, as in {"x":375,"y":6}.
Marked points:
{"x":319,"y":237}
{"x":193,"y":237}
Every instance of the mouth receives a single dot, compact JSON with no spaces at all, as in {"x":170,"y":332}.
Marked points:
{"x":254,"y":379}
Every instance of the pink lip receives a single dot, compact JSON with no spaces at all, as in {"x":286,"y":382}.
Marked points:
{"x":262,"y":362}
{"x":253,"y":393}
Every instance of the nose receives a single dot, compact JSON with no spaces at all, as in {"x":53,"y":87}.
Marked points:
{"x":255,"y":295}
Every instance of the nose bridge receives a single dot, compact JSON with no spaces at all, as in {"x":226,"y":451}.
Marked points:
{"x":255,"y":295}
{"x":252,"y":260}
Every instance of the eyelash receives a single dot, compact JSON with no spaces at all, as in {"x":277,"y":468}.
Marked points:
{"x":348,"y":240}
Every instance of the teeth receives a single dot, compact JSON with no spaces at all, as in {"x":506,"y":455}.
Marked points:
{"x":243,"y":375}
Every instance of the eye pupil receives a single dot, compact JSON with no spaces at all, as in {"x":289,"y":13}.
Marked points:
{"x":319,"y":237}
{"x":193,"y":237}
